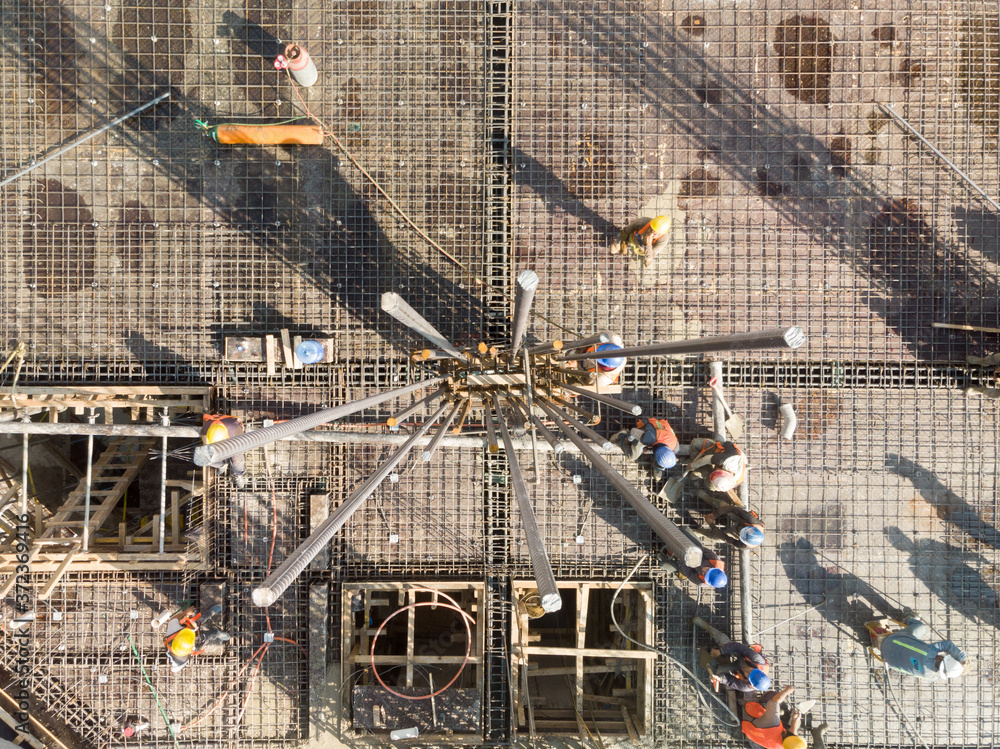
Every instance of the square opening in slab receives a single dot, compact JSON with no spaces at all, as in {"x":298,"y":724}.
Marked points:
{"x":401,"y":643}
{"x":573,"y":668}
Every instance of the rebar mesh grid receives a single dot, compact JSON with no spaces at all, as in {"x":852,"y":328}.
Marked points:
{"x":771,"y":225}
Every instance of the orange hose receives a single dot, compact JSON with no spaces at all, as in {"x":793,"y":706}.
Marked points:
{"x":280,"y":135}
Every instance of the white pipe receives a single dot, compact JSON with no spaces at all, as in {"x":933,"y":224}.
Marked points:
{"x":790,"y":421}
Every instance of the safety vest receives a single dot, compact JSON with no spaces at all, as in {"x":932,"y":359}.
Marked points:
{"x":721,"y":453}
{"x":664,"y":434}
{"x":602,"y":377}
{"x":231,"y":423}
{"x":769,"y":738}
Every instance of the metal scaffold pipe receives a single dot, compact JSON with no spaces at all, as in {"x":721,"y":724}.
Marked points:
{"x":207,"y":454}
{"x":91,"y":416}
{"x":545,"y":348}
{"x":773,"y":338}
{"x":407,"y":412}
{"x":540,"y":565}
{"x":433,"y":445}
{"x":491,"y":435}
{"x":673,"y":537}
{"x":278,"y":581}
{"x":607,"y":400}
{"x":524,"y":294}
{"x":394,"y":304}
{"x":559,"y":416}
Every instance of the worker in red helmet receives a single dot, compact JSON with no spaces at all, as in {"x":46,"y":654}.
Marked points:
{"x":644,"y":237}
{"x":655,"y":435}
{"x":722,"y":464}
{"x":218,"y":427}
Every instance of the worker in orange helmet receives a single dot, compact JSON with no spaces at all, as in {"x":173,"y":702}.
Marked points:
{"x":218,"y":427}
{"x":762,"y":724}
{"x":187,"y":636}
{"x":644,"y":237}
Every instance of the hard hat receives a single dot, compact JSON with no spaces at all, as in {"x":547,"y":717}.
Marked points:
{"x":721,"y":481}
{"x":216,"y":433}
{"x":664,"y":457}
{"x":755,"y":709}
{"x":716,"y":577}
{"x":751,"y":535}
{"x":950,"y":667}
{"x":611,"y":362}
{"x":183,"y":643}
{"x":310,"y":352}
{"x":759,"y":680}
{"x":661,"y":224}
{"x":794,"y":742}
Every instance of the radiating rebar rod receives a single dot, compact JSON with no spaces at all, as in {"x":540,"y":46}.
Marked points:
{"x":395,"y":421}
{"x":491,"y":435}
{"x":545,"y":348}
{"x":528,"y":397}
{"x":559,"y":416}
{"x":773,"y":338}
{"x":524,"y":294}
{"x":517,"y":413}
{"x":674,"y":538}
{"x":540,"y":565}
{"x":218,"y":451}
{"x":607,"y":400}
{"x":594,"y":340}
{"x":91,"y":416}
{"x":433,"y":444}
{"x":394,"y":304}
{"x":554,"y":443}
{"x":80,"y":141}
{"x":588,"y":415}
{"x":276,"y":583}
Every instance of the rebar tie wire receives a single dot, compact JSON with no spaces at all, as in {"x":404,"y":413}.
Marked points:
{"x":479,"y":281}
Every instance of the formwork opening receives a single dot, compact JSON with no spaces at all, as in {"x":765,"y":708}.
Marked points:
{"x":575,"y":668}
{"x":409,"y":660}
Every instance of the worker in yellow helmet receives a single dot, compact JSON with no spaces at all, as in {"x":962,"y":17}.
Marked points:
{"x":218,"y":427}
{"x":187,"y":636}
{"x":644,"y":237}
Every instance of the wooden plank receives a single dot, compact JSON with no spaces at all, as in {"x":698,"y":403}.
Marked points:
{"x":319,"y":598}
{"x":319,"y":510}
{"x":643,"y":655}
{"x":402,"y":660}
{"x":116,"y":391}
{"x":269,"y":354}
{"x":583,"y":605}
{"x":605,"y":700}
{"x":46,"y":592}
{"x":175,"y":517}
{"x":633,"y":736}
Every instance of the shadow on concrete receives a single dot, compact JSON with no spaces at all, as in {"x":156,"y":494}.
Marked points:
{"x":952,"y":574}
{"x":950,"y":507}
{"x":815,"y":580}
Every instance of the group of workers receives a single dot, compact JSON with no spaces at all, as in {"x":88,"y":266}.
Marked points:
{"x":721,"y":467}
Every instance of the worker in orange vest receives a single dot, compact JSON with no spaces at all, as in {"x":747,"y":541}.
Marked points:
{"x":762,"y":724}
{"x":187,"y":636}
{"x":644,"y":237}
{"x":218,"y":427}
{"x":607,"y":369}
{"x":655,"y":434}
{"x":722,"y":464}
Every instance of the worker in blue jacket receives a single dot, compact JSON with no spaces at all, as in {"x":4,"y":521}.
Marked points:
{"x":906,"y":651}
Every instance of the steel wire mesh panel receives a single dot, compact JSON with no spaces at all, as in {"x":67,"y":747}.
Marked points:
{"x":794,"y":199}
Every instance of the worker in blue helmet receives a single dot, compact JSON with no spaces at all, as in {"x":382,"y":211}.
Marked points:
{"x":606,"y":370}
{"x":733,"y":664}
{"x":654,"y":434}
{"x":711,"y":573}
{"x":738,"y":526}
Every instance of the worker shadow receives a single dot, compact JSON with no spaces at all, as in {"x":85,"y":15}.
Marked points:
{"x":532,"y":174}
{"x":915,"y":275}
{"x":845,"y":600}
{"x":949,"y":506}
{"x":952,"y":574}
{"x":160,"y":363}
{"x":981,"y":229}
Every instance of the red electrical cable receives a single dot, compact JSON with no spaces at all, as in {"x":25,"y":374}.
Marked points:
{"x":466,"y":618}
